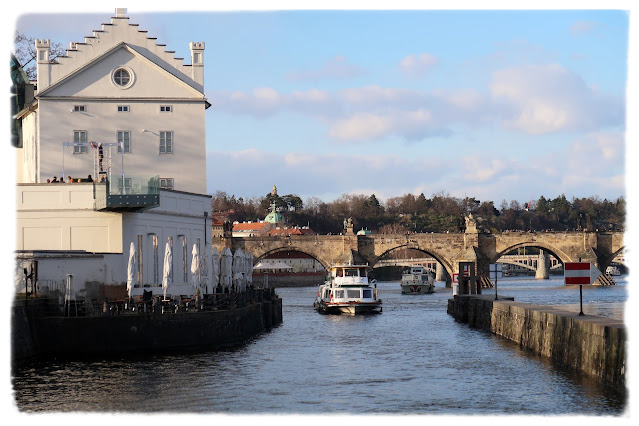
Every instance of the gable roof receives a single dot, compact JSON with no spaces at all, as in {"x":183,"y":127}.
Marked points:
{"x":122,"y":45}
{"x":112,"y":34}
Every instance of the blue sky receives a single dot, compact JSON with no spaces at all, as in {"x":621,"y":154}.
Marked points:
{"x":494,"y":104}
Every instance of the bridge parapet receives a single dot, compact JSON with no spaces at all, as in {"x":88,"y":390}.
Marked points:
{"x":447,"y":248}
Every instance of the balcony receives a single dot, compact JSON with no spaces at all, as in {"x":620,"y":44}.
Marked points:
{"x":133,"y":193}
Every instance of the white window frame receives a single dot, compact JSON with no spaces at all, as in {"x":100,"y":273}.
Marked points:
{"x":116,"y":77}
{"x":120,"y":134}
{"x":164,"y":147}
{"x":140,"y":259}
{"x":166,"y":108}
{"x":77,"y":138}
{"x":167,"y":183}
{"x":123,"y":108}
{"x":185,"y":260}
{"x":79,"y":108}
{"x":156,"y":259}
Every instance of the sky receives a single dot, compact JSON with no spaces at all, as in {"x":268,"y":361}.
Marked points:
{"x":494,"y":104}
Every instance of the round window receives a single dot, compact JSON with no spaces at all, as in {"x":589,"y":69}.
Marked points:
{"x":122,"y":77}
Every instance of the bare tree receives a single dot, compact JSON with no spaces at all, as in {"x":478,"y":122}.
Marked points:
{"x":25,"y":52}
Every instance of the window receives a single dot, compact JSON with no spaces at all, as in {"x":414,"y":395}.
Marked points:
{"x":352,"y":293}
{"x":127,"y":186}
{"x":166,"y":108}
{"x":166,"y":183}
{"x":140,"y":276}
{"x":185,"y":262}
{"x":166,"y":142}
{"x":80,"y":136}
{"x":124,"y":139}
{"x":199,"y":250}
{"x":156,"y":260}
{"x":339,"y":294}
{"x":367,"y":294}
{"x":122,"y":77}
{"x":171,"y":245}
{"x":123,"y":108}
{"x":350,"y":273}
{"x":79,"y":108}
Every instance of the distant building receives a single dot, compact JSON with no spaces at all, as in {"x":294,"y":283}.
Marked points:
{"x":274,"y":224}
{"x":123,"y":109}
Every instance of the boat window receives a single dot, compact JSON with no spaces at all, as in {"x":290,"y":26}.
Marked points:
{"x":366,"y":293}
{"x":351,"y":272}
{"x":362,"y":272}
{"x":352,"y":293}
{"x":339,"y":294}
{"x":339,"y":273}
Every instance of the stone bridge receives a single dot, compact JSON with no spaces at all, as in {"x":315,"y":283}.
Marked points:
{"x":451,"y":250}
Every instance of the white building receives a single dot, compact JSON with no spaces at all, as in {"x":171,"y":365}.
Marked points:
{"x":120,"y":89}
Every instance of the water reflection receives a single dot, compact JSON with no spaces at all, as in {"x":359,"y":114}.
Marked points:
{"x":412,"y":359}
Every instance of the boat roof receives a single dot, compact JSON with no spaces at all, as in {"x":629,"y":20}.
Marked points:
{"x":348,"y":266}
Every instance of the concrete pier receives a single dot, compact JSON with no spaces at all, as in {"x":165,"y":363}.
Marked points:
{"x":543,"y":269}
{"x":590,"y":345}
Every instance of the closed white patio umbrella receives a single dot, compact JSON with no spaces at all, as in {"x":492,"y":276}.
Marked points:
{"x":167,"y":274}
{"x":226,"y":267}
{"x":205,"y":259}
{"x":130,"y":272}
{"x":215,"y":270}
{"x":195,"y":267}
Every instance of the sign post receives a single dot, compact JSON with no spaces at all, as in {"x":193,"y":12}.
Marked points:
{"x":495,"y":272}
{"x":580,"y":273}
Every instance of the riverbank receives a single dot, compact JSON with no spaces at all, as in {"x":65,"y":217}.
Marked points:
{"x":590,"y":345}
{"x":39,"y":331}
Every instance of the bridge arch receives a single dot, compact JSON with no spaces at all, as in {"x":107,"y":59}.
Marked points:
{"x":561,"y":256}
{"x":325,"y":264}
{"x":439,"y":257}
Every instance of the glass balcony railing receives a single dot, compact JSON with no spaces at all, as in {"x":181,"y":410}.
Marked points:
{"x":127,"y":193}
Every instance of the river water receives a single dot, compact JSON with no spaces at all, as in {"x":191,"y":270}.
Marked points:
{"x":411,"y":359}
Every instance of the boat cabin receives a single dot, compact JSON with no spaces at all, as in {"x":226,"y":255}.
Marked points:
{"x":349,"y":275}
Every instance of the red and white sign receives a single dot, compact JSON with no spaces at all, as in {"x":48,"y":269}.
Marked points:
{"x":465,"y":272}
{"x":580,"y":273}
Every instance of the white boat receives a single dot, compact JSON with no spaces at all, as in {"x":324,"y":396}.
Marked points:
{"x":417,"y":281}
{"x":613,"y":270}
{"x":348,"y":291}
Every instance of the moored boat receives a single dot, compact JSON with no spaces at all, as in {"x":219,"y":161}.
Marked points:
{"x":348,"y":291}
{"x":613,"y":271}
{"x":417,"y":281}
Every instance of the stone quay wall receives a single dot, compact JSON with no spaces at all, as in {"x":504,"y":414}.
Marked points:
{"x":590,"y":345}
{"x":36,"y":334}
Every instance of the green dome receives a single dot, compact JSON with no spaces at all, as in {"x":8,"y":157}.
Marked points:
{"x":274,"y":216}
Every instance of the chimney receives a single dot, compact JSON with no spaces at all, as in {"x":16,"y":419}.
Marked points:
{"x":197,"y":62}
{"x":120,"y":12}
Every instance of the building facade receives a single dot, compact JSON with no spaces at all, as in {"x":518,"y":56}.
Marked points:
{"x":123,"y":90}
{"x":122,"y":111}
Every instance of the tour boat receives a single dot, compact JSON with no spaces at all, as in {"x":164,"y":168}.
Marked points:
{"x":417,"y":281}
{"x":613,"y":270}
{"x":348,"y":291}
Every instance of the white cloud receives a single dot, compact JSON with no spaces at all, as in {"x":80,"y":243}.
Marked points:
{"x":549,"y":98}
{"x":361,"y":127}
{"x":531,"y":99}
{"x":582,"y":27}
{"x":418,"y":65}
{"x":337,"y":68}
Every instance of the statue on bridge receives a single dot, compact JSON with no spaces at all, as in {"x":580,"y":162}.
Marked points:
{"x":471,"y":224}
